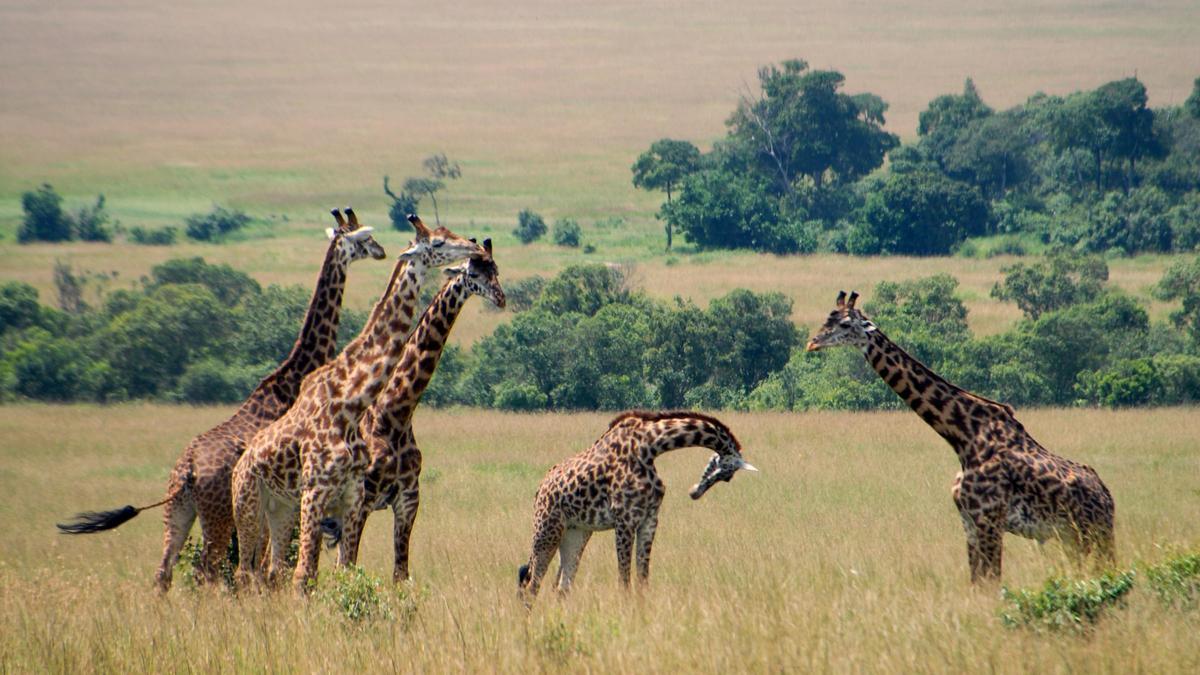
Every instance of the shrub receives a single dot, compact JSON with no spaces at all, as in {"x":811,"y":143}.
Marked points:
{"x":567,"y":233}
{"x":919,"y":213}
{"x":44,"y":217}
{"x":212,"y":381}
{"x":227,"y":284}
{"x":50,"y":368}
{"x":19,"y":306}
{"x":213,"y":226}
{"x":161,"y":237}
{"x":1127,"y":382}
{"x":530,"y":227}
{"x":1054,"y":283}
{"x":1176,"y":581}
{"x":518,"y":396}
{"x":1065,"y":605}
{"x":91,"y":222}
{"x":523,"y":293}
{"x":354,"y":594}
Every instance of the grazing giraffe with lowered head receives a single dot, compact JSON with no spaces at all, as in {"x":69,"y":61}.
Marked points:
{"x":1008,"y":481}
{"x":614,"y":485}
{"x":313,"y":458}
{"x":395,"y":470}
{"x":199,"y":483}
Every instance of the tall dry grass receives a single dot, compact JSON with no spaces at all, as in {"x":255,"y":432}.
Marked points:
{"x":844,"y":554}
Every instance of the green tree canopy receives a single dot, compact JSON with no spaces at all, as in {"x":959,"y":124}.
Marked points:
{"x":663,"y":166}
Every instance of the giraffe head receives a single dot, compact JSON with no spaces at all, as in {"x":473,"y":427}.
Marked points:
{"x":480,"y":275}
{"x":435,"y":248}
{"x":724,"y":463}
{"x":354,"y":240}
{"x":846,"y":325}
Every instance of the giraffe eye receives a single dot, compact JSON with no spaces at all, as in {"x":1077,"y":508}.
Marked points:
{"x":438,"y":243}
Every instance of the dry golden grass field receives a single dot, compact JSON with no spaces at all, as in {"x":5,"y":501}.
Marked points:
{"x":844,"y":554}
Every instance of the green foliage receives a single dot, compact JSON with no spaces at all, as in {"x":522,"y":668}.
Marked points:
{"x":523,"y":293}
{"x":722,"y":209}
{"x":1176,"y":581}
{"x":44,"y":218}
{"x":52,"y":368}
{"x":919,"y":213}
{"x":1128,"y":382}
{"x":1067,"y":605}
{"x":213,"y":381}
{"x":947,"y":118}
{"x":663,"y":166}
{"x":802,"y":125}
{"x":164,"y":236}
{"x":567,"y":233}
{"x":216,"y":224}
{"x":19,"y":306}
{"x":530,"y":227}
{"x":356,"y":595}
{"x":1182,"y":282}
{"x":1192,"y":104}
{"x":519,"y":396}
{"x":584,"y":289}
{"x":227,"y":284}
{"x":403,"y":205}
{"x":91,"y":222}
{"x":559,"y":643}
{"x":1050,"y":284}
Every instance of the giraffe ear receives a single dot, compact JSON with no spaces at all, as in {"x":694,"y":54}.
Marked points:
{"x":841,"y":299}
{"x":487,"y":245}
{"x":337,"y":215}
{"x":331,"y":233}
{"x":853,"y":299}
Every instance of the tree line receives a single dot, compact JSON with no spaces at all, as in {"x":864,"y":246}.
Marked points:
{"x":801,"y":169}
{"x":587,"y":340}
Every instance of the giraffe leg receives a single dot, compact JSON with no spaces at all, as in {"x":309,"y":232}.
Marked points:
{"x":546,"y":536}
{"x":352,"y":532}
{"x":249,"y":519}
{"x":313,"y":503}
{"x":281,"y":524}
{"x":625,"y":535}
{"x":178,"y":516}
{"x":216,"y":525}
{"x":645,"y":539}
{"x":405,"y":509}
{"x":570,"y":550}
{"x":984,"y":544}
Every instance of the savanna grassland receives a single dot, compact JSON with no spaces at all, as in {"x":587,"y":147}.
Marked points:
{"x":843,"y":554}
{"x":288,"y":112}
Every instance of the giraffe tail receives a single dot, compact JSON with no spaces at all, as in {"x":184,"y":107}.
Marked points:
{"x":99,"y":521}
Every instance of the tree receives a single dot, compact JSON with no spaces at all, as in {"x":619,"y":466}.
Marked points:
{"x":918,"y":213}
{"x":403,"y":205}
{"x":567,"y":233}
{"x":947,"y":117}
{"x":90,"y":222}
{"x":1182,"y":282}
{"x":800,"y":124}
{"x":1192,"y":104}
{"x":44,"y":217}
{"x":227,"y":284}
{"x":991,"y":153}
{"x":1056,"y":282}
{"x":1111,"y":122}
{"x":19,"y":306}
{"x":530,"y":227}
{"x":663,"y":166}
{"x":439,"y":169}
{"x":724,"y":209}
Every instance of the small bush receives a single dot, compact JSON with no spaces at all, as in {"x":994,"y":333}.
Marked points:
{"x":356,"y":595}
{"x":559,"y":643}
{"x":215,"y":225}
{"x":589,"y":249}
{"x":187,"y":568}
{"x":521,"y":397}
{"x":1176,"y":582}
{"x":161,"y":237}
{"x":212,"y":381}
{"x":530,"y":227}
{"x":1065,"y":605}
{"x":91,"y":222}
{"x":44,"y":218}
{"x":523,"y":293}
{"x":567,"y":233}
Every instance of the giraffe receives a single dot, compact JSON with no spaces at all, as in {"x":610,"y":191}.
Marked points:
{"x":313,"y":457}
{"x":199,"y":483}
{"x":1008,"y":481}
{"x":613,"y":485}
{"x":395,"y":468}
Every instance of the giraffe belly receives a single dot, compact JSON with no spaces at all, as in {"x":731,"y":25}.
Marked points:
{"x":1027,"y":520}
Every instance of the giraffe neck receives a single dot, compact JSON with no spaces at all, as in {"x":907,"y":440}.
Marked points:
{"x":368,"y":360}
{"x":673,"y":433}
{"x":396,"y":404}
{"x":314,"y":347}
{"x":948,"y":409}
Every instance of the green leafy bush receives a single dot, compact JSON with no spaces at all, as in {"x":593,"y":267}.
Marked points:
{"x":1067,"y":605}
{"x":216,"y":224}
{"x":567,"y":233}
{"x":212,"y":381}
{"x":44,"y":218}
{"x":164,"y":236}
{"x":530,"y":227}
{"x":1176,"y":581}
{"x":355,"y":595}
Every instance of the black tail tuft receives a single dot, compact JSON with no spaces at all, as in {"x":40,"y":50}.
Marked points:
{"x":98,"y":521}
{"x":522,"y":575}
{"x":332,"y":528}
